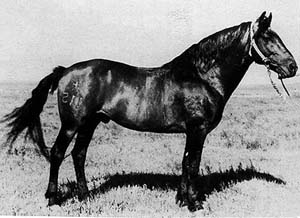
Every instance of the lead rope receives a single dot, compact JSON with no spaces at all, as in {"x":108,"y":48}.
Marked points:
{"x":275,"y":87}
{"x":294,"y":104}
{"x":285,"y":89}
{"x":273,"y":84}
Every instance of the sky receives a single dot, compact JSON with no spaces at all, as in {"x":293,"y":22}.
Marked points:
{"x":36,"y":36}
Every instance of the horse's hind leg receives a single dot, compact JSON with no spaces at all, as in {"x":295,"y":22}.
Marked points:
{"x":63,"y":139}
{"x":84,"y":136}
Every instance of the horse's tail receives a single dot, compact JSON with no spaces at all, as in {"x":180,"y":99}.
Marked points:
{"x":28,"y":115}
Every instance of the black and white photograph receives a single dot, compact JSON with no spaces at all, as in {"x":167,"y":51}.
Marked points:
{"x":153,"y":108}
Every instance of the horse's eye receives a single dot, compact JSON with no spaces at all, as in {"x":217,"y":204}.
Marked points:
{"x":266,"y":37}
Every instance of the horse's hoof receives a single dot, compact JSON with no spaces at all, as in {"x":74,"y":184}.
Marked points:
{"x":197,"y":205}
{"x":83,"y":192}
{"x":83,"y":196}
{"x":180,"y":201}
{"x":52,"y":201}
{"x":48,"y":194}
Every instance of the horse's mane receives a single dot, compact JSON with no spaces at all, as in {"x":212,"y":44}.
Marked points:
{"x":210,"y":49}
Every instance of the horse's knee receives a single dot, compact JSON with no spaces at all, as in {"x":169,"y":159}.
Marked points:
{"x":78,"y":155}
{"x":56,"y":156}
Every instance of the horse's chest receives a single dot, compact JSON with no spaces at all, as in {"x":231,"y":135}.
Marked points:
{"x":201,"y":108}
{"x":196,"y":106}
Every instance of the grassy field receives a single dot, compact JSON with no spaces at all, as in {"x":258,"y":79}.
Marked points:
{"x":250,"y":164}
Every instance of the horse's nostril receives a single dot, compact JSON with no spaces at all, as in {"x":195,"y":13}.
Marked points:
{"x":293,"y":67}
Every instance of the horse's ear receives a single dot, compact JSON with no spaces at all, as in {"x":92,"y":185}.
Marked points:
{"x":262,"y":23}
{"x":270,"y":19}
{"x":262,"y":16}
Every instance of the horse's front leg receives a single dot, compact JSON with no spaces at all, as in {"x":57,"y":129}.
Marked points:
{"x":187,"y":193}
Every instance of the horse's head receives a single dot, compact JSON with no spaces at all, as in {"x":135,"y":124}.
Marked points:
{"x":267,"y":48}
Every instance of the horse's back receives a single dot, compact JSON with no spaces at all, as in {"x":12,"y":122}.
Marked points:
{"x":135,"y":98}
{"x":116,"y":89}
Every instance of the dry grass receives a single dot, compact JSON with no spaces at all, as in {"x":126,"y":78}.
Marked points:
{"x":250,"y":164}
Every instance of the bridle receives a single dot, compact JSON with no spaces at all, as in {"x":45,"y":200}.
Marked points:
{"x":253,"y":45}
{"x":266,"y":61}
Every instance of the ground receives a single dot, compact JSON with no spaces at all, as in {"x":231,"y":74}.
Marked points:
{"x":250,"y":164}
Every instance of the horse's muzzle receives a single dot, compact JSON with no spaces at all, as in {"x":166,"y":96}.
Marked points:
{"x":293,"y":68}
{"x":287,"y":71}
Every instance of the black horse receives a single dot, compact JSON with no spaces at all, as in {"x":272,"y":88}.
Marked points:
{"x":186,"y":95}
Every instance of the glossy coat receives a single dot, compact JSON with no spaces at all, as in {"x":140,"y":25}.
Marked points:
{"x":186,"y":95}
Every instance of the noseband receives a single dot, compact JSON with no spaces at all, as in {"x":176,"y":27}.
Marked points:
{"x":266,"y":61}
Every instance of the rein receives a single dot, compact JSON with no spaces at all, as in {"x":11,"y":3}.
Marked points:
{"x":266,"y":61}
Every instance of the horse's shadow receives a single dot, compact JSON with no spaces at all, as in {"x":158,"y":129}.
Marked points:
{"x":206,"y":184}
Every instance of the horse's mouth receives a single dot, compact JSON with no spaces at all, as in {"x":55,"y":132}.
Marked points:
{"x":282,"y":73}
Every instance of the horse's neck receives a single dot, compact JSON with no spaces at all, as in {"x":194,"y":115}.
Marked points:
{"x":227,"y":78}
{"x":221,"y":59}
{"x":229,"y":60}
